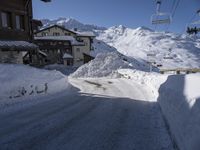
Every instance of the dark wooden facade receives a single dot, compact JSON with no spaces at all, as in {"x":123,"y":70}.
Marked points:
{"x":19,"y":15}
{"x":36,"y":25}
{"x":55,"y":49}
{"x":16,"y":24}
{"x":87,"y":58}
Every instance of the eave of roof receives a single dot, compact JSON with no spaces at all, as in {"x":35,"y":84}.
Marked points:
{"x":71,"y":39}
{"x":66,"y":56}
{"x":53,"y":27}
{"x":85,"y":34}
{"x":17,"y":46}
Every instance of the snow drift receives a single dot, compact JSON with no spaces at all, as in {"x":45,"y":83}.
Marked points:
{"x":105,"y":64}
{"x":21,"y":81}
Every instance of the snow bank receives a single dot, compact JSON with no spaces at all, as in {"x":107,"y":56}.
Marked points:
{"x":106,"y":64}
{"x":19,"y":81}
{"x":179,"y":98}
{"x":151,"y":79}
{"x":180,"y":102}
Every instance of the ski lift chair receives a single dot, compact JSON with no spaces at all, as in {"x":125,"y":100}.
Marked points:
{"x":161,"y":18}
{"x":194,"y":27}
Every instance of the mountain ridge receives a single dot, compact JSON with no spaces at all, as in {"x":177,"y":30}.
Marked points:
{"x":71,"y":23}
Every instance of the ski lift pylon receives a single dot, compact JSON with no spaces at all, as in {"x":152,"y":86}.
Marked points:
{"x":160,"y":17}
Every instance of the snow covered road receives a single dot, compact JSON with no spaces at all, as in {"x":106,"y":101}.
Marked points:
{"x":101,"y":114}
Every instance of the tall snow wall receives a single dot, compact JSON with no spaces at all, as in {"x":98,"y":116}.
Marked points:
{"x":179,"y":98}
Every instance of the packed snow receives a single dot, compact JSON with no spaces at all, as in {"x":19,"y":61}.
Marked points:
{"x":18,"y":81}
{"x":88,"y":118}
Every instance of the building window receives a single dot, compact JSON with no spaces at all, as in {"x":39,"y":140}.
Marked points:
{"x":79,"y":39}
{"x":40,"y":44}
{"x":56,"y":34}
{"x":19,"y":22}
{"x":68,"y":50}
{"x":6,"y":19}
{"x":44,"y":34}
{"x":78,"y":50}
{"x":52,"y":43}
{"x":67,"y":34}
{"x":66,"y":43}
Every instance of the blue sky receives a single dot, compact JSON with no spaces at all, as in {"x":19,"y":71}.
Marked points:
{"x":131,"y":13}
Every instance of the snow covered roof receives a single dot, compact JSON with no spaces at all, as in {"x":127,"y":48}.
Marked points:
{"x":17,"y":45}
{"x":55,"y":25}
{"x":89,"y":34}
{"x":60,"y":38}
{"x":65,"y":56}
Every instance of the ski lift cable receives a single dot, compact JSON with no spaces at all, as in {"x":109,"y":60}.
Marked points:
{"x":176,"y":6}
{"x":158,"y":5}
{"x":173,"y":4}
{"x":173,"y":9}
{"x":194,"y":16}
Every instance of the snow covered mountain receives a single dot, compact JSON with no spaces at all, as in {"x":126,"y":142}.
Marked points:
{"x":168,"y":50}
{"x":70,"y":23}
